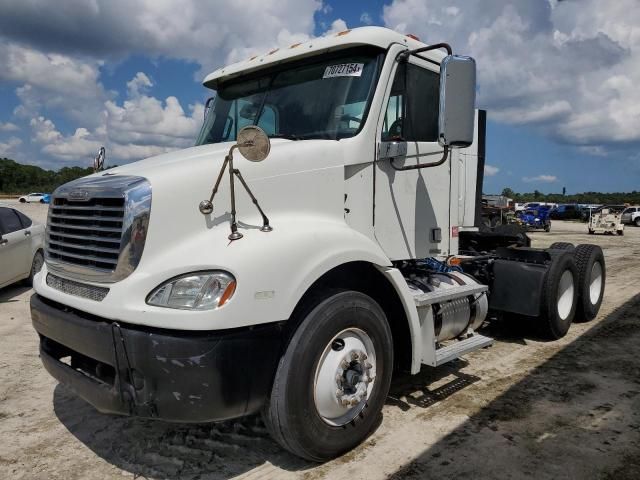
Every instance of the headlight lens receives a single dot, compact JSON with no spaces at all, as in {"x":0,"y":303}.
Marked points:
{"x":194,"y":291}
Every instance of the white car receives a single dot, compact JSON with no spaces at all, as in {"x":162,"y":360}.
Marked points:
{"x":32,"y":197}
{"x":631,"y":215}
{"x":21,"y":247}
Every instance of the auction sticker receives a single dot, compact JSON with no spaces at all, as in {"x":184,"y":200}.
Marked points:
{"x":343,"y":70}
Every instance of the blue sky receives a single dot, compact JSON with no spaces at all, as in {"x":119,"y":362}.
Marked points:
{"x":557,"y":78}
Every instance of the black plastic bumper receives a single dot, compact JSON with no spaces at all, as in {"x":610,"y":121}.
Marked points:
{"x":173,"y":375}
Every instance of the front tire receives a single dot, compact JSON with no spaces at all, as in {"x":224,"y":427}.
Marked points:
{"x":22,"y":200}
{"x":637,"y":221}
{"x":333,"y":379}
{"x":36,"y":266}
{"x":559,"y":297}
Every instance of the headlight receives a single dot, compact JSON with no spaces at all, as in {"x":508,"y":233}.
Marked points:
{"x":194,"y":291}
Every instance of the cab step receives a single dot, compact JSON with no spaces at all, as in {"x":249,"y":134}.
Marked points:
{"x":459,"y":348}
{"x":444,"y":295}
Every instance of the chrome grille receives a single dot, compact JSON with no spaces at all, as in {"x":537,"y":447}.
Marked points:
{"x":78,"y":289}
{"x":97,"y":227}
{"x":86,"y":233}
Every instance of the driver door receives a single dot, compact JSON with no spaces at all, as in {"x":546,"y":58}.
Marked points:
{"x":411,"y":217}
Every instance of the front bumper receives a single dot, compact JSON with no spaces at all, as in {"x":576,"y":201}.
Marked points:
{"x":180,"y":376}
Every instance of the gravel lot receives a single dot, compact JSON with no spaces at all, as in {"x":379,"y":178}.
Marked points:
{"x":521,"y":409}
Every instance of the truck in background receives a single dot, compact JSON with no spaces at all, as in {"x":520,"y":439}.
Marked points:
{"x":339,"y":243}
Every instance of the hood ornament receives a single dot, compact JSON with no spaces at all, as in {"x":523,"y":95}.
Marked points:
{"x":254,"y":145}
{"x":98,"y":162}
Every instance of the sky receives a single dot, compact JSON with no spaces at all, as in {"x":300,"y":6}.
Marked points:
{"x":559,"y":79}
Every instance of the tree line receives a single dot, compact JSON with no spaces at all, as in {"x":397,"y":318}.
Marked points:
{"x":16,"y":178}
{"x":600,"y":198}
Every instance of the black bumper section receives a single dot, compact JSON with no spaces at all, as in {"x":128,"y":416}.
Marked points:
{"x":167,"y":374}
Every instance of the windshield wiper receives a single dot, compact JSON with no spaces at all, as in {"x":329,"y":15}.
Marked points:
{"x":285,"y":136}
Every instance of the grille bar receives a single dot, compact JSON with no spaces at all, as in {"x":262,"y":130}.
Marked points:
{"x":99,"y":218}
{"x":93,"y":258}
{"x":78,"y":246}
{"x":85,"y":227}
{"x":92,"y":238}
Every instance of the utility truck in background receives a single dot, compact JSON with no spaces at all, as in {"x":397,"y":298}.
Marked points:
{"x":322,"y":234}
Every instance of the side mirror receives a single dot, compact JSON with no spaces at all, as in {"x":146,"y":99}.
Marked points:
{"x":457,"y":101}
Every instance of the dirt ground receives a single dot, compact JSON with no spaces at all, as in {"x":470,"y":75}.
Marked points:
{"x":522,"y":409}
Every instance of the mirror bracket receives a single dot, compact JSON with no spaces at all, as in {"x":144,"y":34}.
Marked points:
{"x":404,"y":56}
{"x":445,"y":155}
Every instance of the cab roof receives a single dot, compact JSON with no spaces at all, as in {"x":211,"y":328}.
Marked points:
{"x":374,"y":36}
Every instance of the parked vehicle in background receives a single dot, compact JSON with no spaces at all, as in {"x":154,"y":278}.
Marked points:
{"x":607,"y":219}
{"x":21,"y":247}
{"x":535,"y":218}
{"x":33,"y":197}
{"x":631,"y":215}
{"x":46,"y":198}
{"x":587,"y":210}
{"x":565,"y":212}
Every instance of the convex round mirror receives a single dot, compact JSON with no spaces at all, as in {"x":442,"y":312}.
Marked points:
{"x":253,"y":143}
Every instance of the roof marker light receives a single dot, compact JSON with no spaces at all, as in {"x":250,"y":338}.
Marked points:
{"x":253,"y":58}
{"x":415,"y":37}
{"x":273,"y":51}
{"x":295,"y":45}
{"x":344,"y":32}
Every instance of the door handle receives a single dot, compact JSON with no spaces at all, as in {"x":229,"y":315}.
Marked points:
{"x":27,"y":233}
{"x":3,"y":241}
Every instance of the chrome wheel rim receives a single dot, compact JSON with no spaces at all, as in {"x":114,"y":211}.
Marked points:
{"x":595,"y":284}
{"x":345,"y":377}
{"x":565,"y":294}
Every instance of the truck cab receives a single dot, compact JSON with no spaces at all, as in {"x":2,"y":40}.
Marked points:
{"x":320,"y":235}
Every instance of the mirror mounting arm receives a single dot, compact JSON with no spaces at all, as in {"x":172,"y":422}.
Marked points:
{"x":404,"y":56}
{"x":445,"y":155}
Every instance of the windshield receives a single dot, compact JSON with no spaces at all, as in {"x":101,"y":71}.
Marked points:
{"x":326,"y":99}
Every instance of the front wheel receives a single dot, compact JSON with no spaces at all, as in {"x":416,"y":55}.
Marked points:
{"x":36,"y":266}
{"x":22,"y":200}
{"x":333,"y":379}
{"x":637,"y":221}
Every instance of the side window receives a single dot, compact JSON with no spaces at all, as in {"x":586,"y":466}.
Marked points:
{"x":412,"y":111}
{"x":26,"y":221}
{"x":9,"y":221}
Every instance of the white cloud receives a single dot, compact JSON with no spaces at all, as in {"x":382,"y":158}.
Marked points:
{"x":8,"y":127}
{"x":366,"y":18}
{"x":9,"y":147}
{"x":490,"y":170}
{"x":139,"y":127}
{"x":570,"y":68}
{"x":541,"y":179}
{"x":202,"y":32}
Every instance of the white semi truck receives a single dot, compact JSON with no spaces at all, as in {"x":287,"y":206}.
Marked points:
{"x":339,"y":244}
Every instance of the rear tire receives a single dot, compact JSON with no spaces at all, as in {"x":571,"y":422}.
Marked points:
{"x":305,"y":414}
{"x":620,"y":232}
{"x":559,"y":297}
{"x":592,"y":275}
{"x":637,"y":221}
{"x":22,"y":200}
{"x":562,"y":246}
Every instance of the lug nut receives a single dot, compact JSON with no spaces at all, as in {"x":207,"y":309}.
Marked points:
{"x":354,"y":355}
{"x":344,"y":364}
{"x":344,"y":401}
{"x":364,"y":356}
{"x":338,"y":378}
{"x":339,"y":393}
{"x":354,"y":401}
{"x":367,"y":365}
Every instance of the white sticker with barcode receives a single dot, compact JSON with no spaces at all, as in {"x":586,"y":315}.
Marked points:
{"x":343,"y":70}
